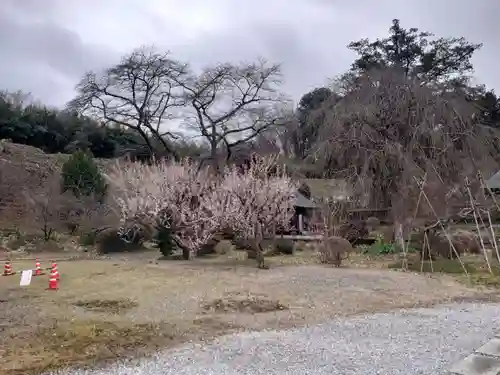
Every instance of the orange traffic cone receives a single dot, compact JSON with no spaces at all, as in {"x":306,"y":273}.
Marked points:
{"x":38,"y":268}
{"x":53,"y":269}
{"x":53,"y":279}
{"x":7,"y":269}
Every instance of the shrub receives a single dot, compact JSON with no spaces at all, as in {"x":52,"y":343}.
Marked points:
{"x":108,"y":241}
{"x":380,"y":247}
{"x":224,"y":247}
{"x":353,"y":230}
{"x":372,"y":222}
{"x":463,"y":241}
{"x":243,"y":243}
{"x":48,"y":207}
{"x":212,"y":245}
{"x":15,"y":243}
{"x":164,"y":241}
{"x":333,"y":250}
{"x":87,"y":239}
{"x":81,"y":176}
{"x":285,"y":246}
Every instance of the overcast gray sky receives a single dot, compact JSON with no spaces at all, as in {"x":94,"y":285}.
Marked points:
{"x":46,"y":45}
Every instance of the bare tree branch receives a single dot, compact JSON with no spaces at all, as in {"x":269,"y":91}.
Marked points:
{"x":139,"y":93}
{"x":232,"y":104}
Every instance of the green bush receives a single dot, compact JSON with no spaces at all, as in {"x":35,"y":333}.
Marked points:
{"x":285,"y":246}
{"x":15,"y":243}
{"x":87,"y":239}
{"x":164,"y":241}
{"x":81,"y":176}
{"x":108,"y":241}
{"x":379,"y":247}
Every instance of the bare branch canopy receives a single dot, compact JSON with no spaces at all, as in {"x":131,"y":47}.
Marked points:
{"x":139,"y":93}
{"x":233,"y":104}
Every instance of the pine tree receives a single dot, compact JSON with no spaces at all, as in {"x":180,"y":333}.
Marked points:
{"x":81,"y":176}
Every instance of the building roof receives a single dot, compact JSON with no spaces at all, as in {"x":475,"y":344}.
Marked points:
{"x":336,"y":189}
{"x":302,"y":201}
{"x":494,"y":181}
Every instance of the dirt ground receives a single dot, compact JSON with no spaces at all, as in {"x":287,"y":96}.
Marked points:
{"x":134,"y":305}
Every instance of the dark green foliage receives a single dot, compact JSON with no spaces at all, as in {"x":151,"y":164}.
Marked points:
{"x":81,"y":176}
{"x":164,"y":241}
{"x":489,"y":106}
{"x":87,"y":239}
{"x":441,"y":59}
{"x":433,"y":60}
{"x":309,"y":119}
{"x":56,"y":131}
{"x":108,"y":241}
{"x":379,"y":248}
{"x":285,"y":246}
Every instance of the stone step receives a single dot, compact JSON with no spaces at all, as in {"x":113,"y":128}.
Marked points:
{"x":483,"y":361}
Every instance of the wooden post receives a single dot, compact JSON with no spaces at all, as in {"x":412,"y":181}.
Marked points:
{"x":274,"y":236}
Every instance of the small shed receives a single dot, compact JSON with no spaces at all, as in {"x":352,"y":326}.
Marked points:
{"x":331,"y":189}
{"x":303,"y":207}
{"x":303,"y":202}
{"x":494,"y":183}
{"x":321,"y":189}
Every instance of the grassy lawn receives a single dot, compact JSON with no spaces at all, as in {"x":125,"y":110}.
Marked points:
{"x":130,"y":305}
{"x":103,"y":309}
{"x":471,"y":270}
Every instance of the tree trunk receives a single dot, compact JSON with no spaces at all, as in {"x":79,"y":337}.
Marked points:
{"x":214,"y":159}
{"x":186,"y":252}
{"x":259,"y":253}
{"x":165,"y":145}
{"x":399,"y":236}
{"x":146,"y":139}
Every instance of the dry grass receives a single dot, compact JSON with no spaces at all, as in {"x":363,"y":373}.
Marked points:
{"x":126,"y":305}
{"x":252,"y":304}
{"x":109,"y":306}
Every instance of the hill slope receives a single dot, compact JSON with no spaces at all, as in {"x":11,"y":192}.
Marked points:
{"x":25,"y":170}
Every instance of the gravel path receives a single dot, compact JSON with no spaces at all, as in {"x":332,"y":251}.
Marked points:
{"x":406,"y":342}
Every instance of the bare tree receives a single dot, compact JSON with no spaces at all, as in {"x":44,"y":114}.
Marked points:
{"x":87,"y":213}
{"x":139,"y":93}
{"x":392,"y":129}
{"x":50,"y":207}
{"x":232,"y":104}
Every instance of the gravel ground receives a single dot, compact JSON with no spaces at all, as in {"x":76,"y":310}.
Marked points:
{"x":406,"y":342}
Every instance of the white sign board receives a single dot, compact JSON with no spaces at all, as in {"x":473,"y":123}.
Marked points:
{"x":26,"y":277}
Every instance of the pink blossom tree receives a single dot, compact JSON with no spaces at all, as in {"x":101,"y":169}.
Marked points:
{"x":194,"y":203}
{"x":257,"y":200}
{"x":176,"y":196}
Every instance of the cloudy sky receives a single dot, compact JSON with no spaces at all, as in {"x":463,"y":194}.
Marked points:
{"x":46,"y":45}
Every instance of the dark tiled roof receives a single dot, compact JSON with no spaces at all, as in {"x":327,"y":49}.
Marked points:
{"x":301,"y":201}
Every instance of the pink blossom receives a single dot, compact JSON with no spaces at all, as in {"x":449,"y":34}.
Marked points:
{"x":195,"y":203}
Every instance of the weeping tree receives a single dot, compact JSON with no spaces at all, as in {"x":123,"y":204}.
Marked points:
{"x":392,"y":130}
